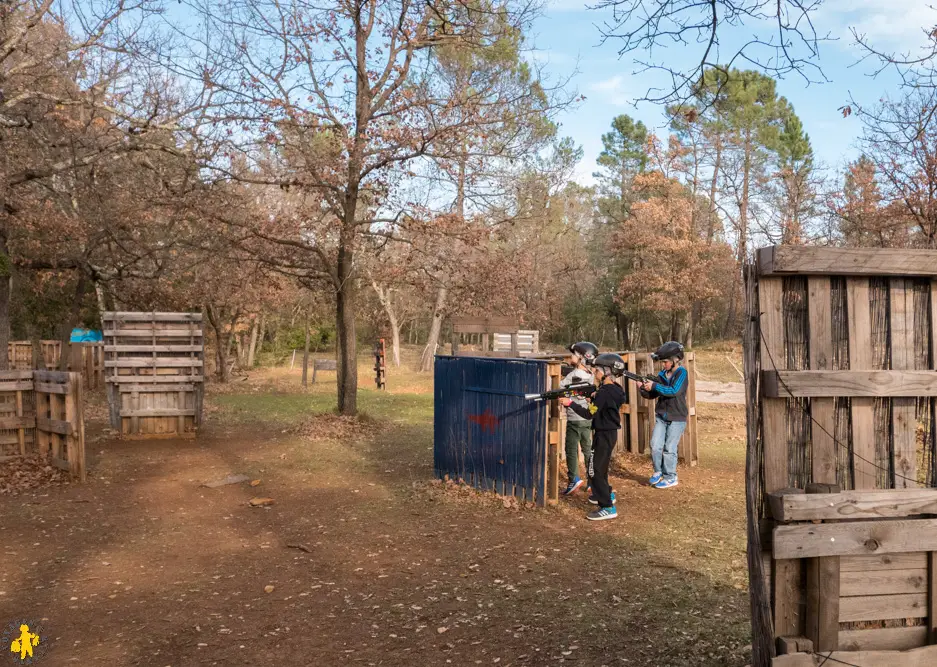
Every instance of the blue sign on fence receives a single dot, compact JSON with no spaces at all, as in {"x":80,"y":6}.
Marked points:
{"x":86,"y":336}
{"x":485,"y":432}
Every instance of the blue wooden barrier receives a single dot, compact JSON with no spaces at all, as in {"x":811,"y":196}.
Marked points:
{"x":485,"y":433}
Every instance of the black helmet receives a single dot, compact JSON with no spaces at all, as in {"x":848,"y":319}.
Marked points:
{"x":668,"y":350}
{"x":585,"y":351}
{"x":611,"y":363}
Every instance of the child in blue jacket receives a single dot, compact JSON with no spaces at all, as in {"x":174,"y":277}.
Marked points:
{"x":671,"y":413}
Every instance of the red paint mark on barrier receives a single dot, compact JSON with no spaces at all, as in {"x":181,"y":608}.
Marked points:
{"x":487,"y":420}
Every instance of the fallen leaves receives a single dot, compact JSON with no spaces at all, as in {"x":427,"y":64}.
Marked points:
{"x":268,"y":588}
{"x":261,"y":502}
{"x":28,"y":473}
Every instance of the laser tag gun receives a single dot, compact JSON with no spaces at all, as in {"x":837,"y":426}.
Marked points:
{"x":640,"y":379}
{"x":578,"y":389}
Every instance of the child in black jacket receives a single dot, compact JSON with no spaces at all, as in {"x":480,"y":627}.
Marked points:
{"x":605,"y":415}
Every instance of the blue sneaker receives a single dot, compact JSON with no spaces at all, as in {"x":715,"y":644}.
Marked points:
{"x":666,"y":483}
{"x":603,"y":514}
{"x":572,"y":486}
{"x":655,"y":478}
{"x":593,"y":500}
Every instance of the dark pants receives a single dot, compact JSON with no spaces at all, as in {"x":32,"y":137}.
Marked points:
{"x":603,"y":442}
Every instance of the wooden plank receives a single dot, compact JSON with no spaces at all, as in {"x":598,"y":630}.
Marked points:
{"x":57,"y":426}
{"x":883,"y":582}
{"x":904,"y":421}
{"x":907,"y":561}
{"x":885,"y":503}
{"x":151,"y":348}
{"x":21,"y":385}
{"x":855,"y":538}
{"x":919,"y":657}
{"x":134,"y":407}
{"x":824,"y":261}
{"x":162,"y":362}
{"x":150,"y":317}
{"x":159,"y":410}
{"x":42,"y":410}
{"x":16,"y":423}
{"x":823,"y":584}
{"x":822,"y":412}
{"x":811,"y":383}
{"x":882,"y":607}
{"x":20,"y":412}
{"x":49,"y":388}
{"x":14,"y":375}
{"x":553,"y":449}
{"x":932,"y":597}
{"x":860,"y":358}
{"x":883,"y":639}
{"x":154,"y":388}
{"x":788,"y":615}
{"x":60,"y":377}
{"x":773,"y":410}
{"x":153,"y":379}
{"x":159,"y":332}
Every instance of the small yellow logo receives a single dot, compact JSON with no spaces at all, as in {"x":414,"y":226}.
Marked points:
{"x":24,"y":643}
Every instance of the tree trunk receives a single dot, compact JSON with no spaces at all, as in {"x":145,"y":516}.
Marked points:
{"x":306,"y":356}
{"x":347,"y":349}
{"x":6,"y":284}
{"x":261,"y":334}
{"x":385,"y":297}
{"x":252,"y":349}
{"x":74,"y":313}
{"x":713,"y":188}
{"x":429,"y":352}
{"x":623,"y":324}
{"x":691,"y":325}
{"x":222,"y":344}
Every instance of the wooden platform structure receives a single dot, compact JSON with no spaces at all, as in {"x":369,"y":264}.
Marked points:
{"x":528,"y":342}
{"x":840,"y":360}
{"x":479,"y":334}
{"x":84,"y":358}
{"x":41,"y":412}
{"x":154,"y":364}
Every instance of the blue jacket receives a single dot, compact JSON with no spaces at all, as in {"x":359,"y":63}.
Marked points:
{"x":671,"y":395}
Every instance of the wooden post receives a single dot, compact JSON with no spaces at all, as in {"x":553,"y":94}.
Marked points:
{"x":553,"y":440}
{"x":788,"y":619}
{"x":21,"y":432}
{"x":515,"y":352}
{"x":904,"y":421}
{"x":932,"y":597}
{"x":692,"y":424}
{"x":860,"y":358}
{"x":135,"y":407}
{"x":74,"y":417}
{"x":822,"y":410}
{"x":822,"y":614}
{"x":631,"y":361}
{"x":42,"y":411}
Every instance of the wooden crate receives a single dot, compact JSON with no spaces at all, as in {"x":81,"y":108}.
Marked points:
{"x":154,"y":371}
{"x":843,"y":350}
{"x":41,"y":412}
{"x":84,"y":358}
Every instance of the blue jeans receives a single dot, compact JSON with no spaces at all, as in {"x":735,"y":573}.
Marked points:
{"x":664,"y":442}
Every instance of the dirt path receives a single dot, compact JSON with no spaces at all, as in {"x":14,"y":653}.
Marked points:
{"x":370,"y":563}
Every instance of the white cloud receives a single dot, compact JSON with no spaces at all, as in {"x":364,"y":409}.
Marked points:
{"x":613,"y":90}
{"x":887,"y":24}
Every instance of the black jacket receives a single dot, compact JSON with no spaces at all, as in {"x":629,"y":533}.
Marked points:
{"x":605,"y":411}
{"x":670,"y":393}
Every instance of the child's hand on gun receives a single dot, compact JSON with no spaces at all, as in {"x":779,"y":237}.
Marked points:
{"x":647,"y":385}
{"x":565,"y":401}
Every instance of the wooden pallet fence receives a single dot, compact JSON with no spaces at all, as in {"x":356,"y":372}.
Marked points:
{"x":473,"y":336}
{"x":154,"y":373}
{"x":84,"y":358}
{"x":843,"y":356}
{"x":41,"y":412}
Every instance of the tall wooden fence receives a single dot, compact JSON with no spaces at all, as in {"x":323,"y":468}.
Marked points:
{"x":41,"y":412}
{"x":154,"y":364}
{"x":841,"y":355}
{"x":84,"y":358}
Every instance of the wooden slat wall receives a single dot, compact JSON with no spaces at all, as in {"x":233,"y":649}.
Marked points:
{"x":44,"y":413}
{"x":872,"y":564}
{"x":154,"y":371}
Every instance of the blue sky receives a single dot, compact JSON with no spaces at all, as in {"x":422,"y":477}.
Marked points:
{"x":567,"y":40}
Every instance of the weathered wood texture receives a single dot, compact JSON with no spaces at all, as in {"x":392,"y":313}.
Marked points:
{"x":42,"y":413}
{"x":812,"y":260}
{"x":881,"y":504}
{"x":918,"y":657}
{"x":154,"y":364}
{"x":867,"y":384}
{"x":846,"y":387}
{"x":84,"y":358}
